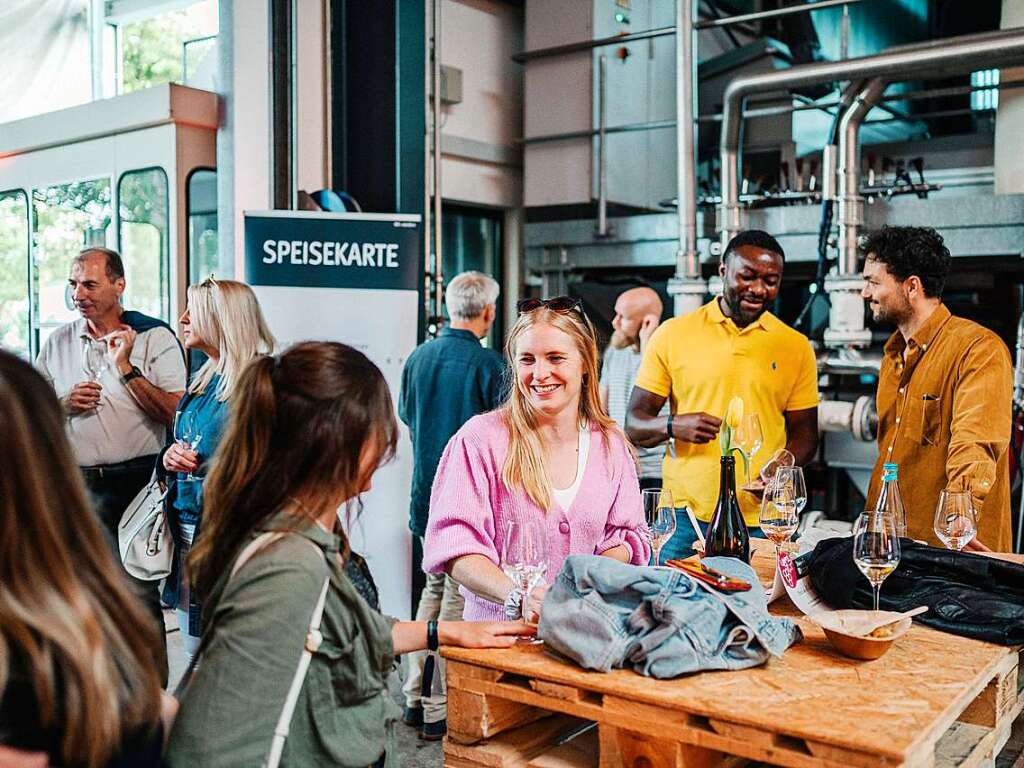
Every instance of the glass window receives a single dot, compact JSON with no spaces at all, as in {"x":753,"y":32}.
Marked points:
{"x":161,"y":48}
{"x":143,"y":234}
{"x":471,"y":240}
{"x":14,"y":285}
{"x":986,"y":98}
{"x":202,"y":226}
{"x":67,"y":217}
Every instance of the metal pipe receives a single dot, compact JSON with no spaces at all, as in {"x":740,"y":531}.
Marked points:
{"x":602,"y":164}
{"x":588,"y":45}
{"x":954,"y":55}
{"x":436,"y":77}
{"x":293,"y":104}
{"x":716,"y":117}
{"x":773,"y":14}
{"x":687,"y":258}
{"x":428,"y":262}
{"x":851,"y":204}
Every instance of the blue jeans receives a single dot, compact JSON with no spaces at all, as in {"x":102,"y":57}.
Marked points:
{"x":681,"y":544}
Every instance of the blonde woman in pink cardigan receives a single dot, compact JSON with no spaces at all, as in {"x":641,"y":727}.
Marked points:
{"x":549,"y":454}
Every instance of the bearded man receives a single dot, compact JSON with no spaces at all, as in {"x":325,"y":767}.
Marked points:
{"x":637,"y":315}
{"x":733,"y":346}
{"x":944,"y":389}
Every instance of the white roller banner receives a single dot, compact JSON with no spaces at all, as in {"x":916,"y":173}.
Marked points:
{"x":352,"y":278}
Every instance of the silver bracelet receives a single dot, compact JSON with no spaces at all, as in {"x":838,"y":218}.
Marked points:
{"x":514,"y":604}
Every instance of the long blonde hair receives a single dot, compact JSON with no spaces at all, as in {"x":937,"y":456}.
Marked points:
{"x":226,"y":315}
{"x":525,"y":466}
{"x":67,"y":618}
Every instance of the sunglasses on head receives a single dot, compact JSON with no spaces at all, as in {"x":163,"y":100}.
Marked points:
{"x":557,"y":304}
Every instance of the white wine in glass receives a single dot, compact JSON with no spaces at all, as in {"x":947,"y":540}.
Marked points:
{"x":779,"y":515}
{"x":525,"y":556}
{"x":876,"y":548}
{"x":660,"y":516}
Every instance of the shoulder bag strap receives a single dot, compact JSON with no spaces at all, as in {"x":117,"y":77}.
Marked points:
{"x":313,"y":640}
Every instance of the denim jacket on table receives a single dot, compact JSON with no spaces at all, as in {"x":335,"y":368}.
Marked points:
{"x":604,"y":614}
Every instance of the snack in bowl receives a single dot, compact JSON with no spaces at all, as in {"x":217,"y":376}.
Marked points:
{"x":845,"y":631}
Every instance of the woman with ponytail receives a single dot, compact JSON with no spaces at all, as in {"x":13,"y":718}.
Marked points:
{"x":307,"y":431}
{"x":550,"y":454}
{"x":78,"y":681}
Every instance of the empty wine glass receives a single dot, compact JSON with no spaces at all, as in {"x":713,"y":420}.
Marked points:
{"x":955,"y":520}
{"x":779,"y":514}
{"x":793,"y":477}
{"x":748,"y":435}
{"x":188,"y":432}
{"x":781,"y":458}
{"x":660,"y":516}
{"x":876,"y":547}
{"x":525,"y":556}
{"x":94,"y":360}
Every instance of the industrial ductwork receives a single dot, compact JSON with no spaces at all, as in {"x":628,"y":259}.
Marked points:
{"x":846,"y":308}
{"x":938,"y":58}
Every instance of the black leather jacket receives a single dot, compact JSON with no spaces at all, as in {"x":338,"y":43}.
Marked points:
{"x":970,"y":595}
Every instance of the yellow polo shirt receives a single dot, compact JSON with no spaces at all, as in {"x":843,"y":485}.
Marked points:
{"x":702,"y":360}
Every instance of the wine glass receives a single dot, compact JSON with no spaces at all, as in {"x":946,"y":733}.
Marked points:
{"x":781,"y":458}
{"x":955,"y":520}
{"x":748,"y":435}
{"x":780,"y":513}
{"x":188,"y":432}
{"x":876,"y":547}
{"x":660,"y":516}
{"x":525,"y":556}
{"x":94,"y":360}
{"x":793,"y":477}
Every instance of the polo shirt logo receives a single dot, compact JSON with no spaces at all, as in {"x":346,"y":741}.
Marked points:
{"x":773,"y":365}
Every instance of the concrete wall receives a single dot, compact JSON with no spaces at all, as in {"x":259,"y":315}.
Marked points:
{"x":481,"y":162}
{"x":1009,"y":160}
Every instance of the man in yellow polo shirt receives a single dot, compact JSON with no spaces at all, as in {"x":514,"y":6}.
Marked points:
{"x":731,"y":346}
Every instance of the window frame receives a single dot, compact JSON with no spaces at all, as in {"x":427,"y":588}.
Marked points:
{"x":33,"y":342}
{"x":165,"y":235}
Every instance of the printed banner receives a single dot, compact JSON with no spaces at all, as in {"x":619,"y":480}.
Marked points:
{"x":352,"y":278}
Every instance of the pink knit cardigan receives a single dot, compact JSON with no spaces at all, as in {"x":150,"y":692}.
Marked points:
{"x":470,"y":506}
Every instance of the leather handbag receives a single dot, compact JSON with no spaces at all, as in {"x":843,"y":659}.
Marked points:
{"x":143,"y":536}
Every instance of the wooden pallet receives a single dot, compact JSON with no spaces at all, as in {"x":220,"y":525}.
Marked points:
{"x":935,"y":700}
{"x":483,"y":703}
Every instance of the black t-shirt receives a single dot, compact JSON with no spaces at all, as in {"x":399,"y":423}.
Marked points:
{"x":20,"y":727}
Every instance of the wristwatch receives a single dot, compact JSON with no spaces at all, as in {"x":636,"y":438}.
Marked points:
{"x":134,"y":373}
{"x":514,"y":604}
{"x":432,"y":641}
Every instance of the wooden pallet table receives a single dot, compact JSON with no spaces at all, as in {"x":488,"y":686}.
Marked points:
{"x":934,"y":700}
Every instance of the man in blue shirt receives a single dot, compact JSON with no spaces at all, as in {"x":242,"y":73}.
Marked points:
{"x":445,"y":383}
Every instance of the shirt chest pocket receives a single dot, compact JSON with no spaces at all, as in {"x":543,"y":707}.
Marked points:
{"x":928,"y":419}
{"x":345,"y":667}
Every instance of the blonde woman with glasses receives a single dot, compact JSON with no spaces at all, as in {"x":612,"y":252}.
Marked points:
{"x":223,"y":321}
{"x":550,"y":457}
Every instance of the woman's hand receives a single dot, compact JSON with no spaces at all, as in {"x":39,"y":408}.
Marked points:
{"x":178,"y":458}
{"x":532,"y":602}
{"x":483,"y":634}
{"x":16,"y":758}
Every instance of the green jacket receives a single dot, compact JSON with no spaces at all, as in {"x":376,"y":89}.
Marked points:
{"x":256,"y":626}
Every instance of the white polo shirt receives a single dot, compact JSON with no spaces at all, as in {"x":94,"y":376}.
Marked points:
{"x":119,"y":429}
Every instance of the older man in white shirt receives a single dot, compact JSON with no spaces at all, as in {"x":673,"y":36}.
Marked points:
{"x":119,"y":375}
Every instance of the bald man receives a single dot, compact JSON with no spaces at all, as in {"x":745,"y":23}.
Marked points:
{"x":637,"y":314}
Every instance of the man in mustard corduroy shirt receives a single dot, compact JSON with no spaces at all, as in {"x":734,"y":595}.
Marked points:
{"x":731,"y":346}
{"x":944,"y":390}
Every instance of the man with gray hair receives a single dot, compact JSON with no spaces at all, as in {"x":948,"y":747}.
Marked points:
{"x":445,"y":382}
